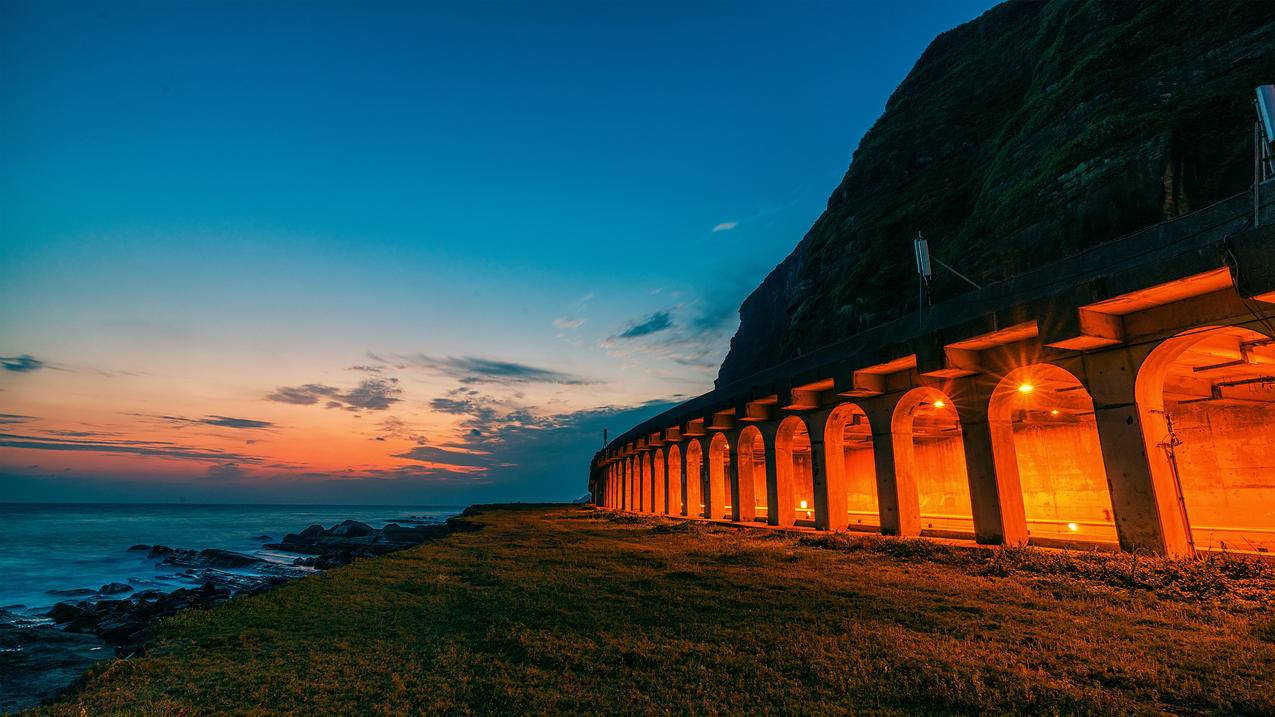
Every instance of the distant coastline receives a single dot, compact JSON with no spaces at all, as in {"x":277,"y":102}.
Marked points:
{"x":86,"y":582}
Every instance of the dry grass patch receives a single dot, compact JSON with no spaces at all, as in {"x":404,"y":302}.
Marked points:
{"x":566,"y":609}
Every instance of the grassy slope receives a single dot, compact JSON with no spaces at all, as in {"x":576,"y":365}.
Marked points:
{"x":567,"y":609}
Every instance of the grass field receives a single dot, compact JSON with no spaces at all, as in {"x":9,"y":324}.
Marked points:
{"x":567,"y":609}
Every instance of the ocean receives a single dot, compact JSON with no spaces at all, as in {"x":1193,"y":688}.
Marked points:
{"x":59,"y":547}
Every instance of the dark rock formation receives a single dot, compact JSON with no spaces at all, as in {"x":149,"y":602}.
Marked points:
{"x":1037,"y":130}
{"x":40,"y":661}
{"x":115,"y":589}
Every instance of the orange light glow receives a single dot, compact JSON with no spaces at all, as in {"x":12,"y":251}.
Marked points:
{"x":939,"y":404}
{"x":1026,"y":388}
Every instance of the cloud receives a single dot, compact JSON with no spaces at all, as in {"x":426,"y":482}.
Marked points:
{"x":226,"y":471}
{"x":659,"y":321}
{"x":394,"y":427}
{"x":219,"y":421}
{"x":725,"y":227}
{"x":8,"y":418}
{"x":372,"y":394}
{"x":473,"y":370}
{"x":306,"y":395}
{"x":21,"y":364}
{"x":450,"y":457}
{"x":157,"y":449}
{"x":366,"y":368}
{"x":564,"y":322}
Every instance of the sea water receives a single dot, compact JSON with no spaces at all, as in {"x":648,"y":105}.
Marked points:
{"x":58,"y":547}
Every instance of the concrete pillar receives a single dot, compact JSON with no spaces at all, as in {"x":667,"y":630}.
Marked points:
{"x":1147,"y":514}
{"x":896,"y":489}
{"x":825,"y":494}
{"x":743,"y":500}
{"x":996,"y":494}
{"x":779,"y":478}
{"x":703,"y":479}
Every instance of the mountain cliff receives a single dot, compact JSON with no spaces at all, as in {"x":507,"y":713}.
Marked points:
{"x":1037,"y":130}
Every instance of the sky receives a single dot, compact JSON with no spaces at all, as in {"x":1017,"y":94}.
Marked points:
{"x":405,"y":253}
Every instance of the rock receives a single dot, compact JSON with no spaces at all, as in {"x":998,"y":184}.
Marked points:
{"x":75,"y":592}
{"x":41,"y":662}
{"x":313,"y":531}
{"x":64,"y":612}
{"x":160,"y":550}
{"x":262,"y":538}
{"x":115,"y":588}
{"x":351,"y":529}
{"x":138,"y":548}
{"x":210,"y":558}
{"x":227,"y":559}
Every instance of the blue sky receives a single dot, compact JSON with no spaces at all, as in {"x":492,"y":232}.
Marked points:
{"x":202,"y":203}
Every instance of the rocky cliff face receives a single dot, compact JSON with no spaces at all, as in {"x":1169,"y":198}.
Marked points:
{"x":1037,"y":130}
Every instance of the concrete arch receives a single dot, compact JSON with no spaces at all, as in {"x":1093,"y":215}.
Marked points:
{"x":648,"y":484}
{"x":794,"y":474}
{"x":1206,"y":401}
{"x":751,"y":451}
{"x":929,"y":457}
{"x":696,"y":505}
{"x":676,"y":482}
{"x":661,"y":483}
{"x":1045,"y":437}
{"x":719,"y":500}
{"x":851,"y":470}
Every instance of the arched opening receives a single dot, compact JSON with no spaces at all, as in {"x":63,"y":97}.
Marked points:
{"x":695,"y":479}
{"x":661,"y":484}
{"x":795,"y":478}
{"x":852,"y":471}
{"x":676,"y":490}
{"x":720,"y":499}
{"x":648,"y":485}
{"x":930,"y":454}
{"x":752,"y":474}
{"x":1043,"y":428}
{"x":1206,"y":400}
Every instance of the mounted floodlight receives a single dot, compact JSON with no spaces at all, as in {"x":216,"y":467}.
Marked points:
{"x":1266,"y":112}
{"x":922,"y":249}
{"x":1263,"y":145}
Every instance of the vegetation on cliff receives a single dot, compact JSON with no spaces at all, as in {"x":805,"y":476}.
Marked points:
{"x":570,"y":609}
{"x":1039,"y":129}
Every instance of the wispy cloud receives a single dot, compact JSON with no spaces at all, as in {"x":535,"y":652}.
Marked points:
{"x":21,"y":364}
{"x":219,"y":421}
{"x":9,"y":418}
{"x":568,"y":323}
{"x":372,"y":394}
{"x":394,"y":427}
{"x":306,"y":395}
{"x":655,"y":323}
{"x":157,"y":449}
{"x":473,"y":369}
{"x":725,"y":227}
{"x":450,"y":457}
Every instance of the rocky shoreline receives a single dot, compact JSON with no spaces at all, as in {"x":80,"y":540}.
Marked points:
{"x":42,"y":660}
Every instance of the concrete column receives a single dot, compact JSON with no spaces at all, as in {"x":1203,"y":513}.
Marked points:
{"x":825,"y":494}
{"x":1147,"y":513}
{"x":896,"y":489}
{"x":704,"y":478}
{"x":743,"y":500}
{"x":775,"y":486}
{"x":996,"y":494}
{"x":778,"y":477}
{"x":631,"y":493}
